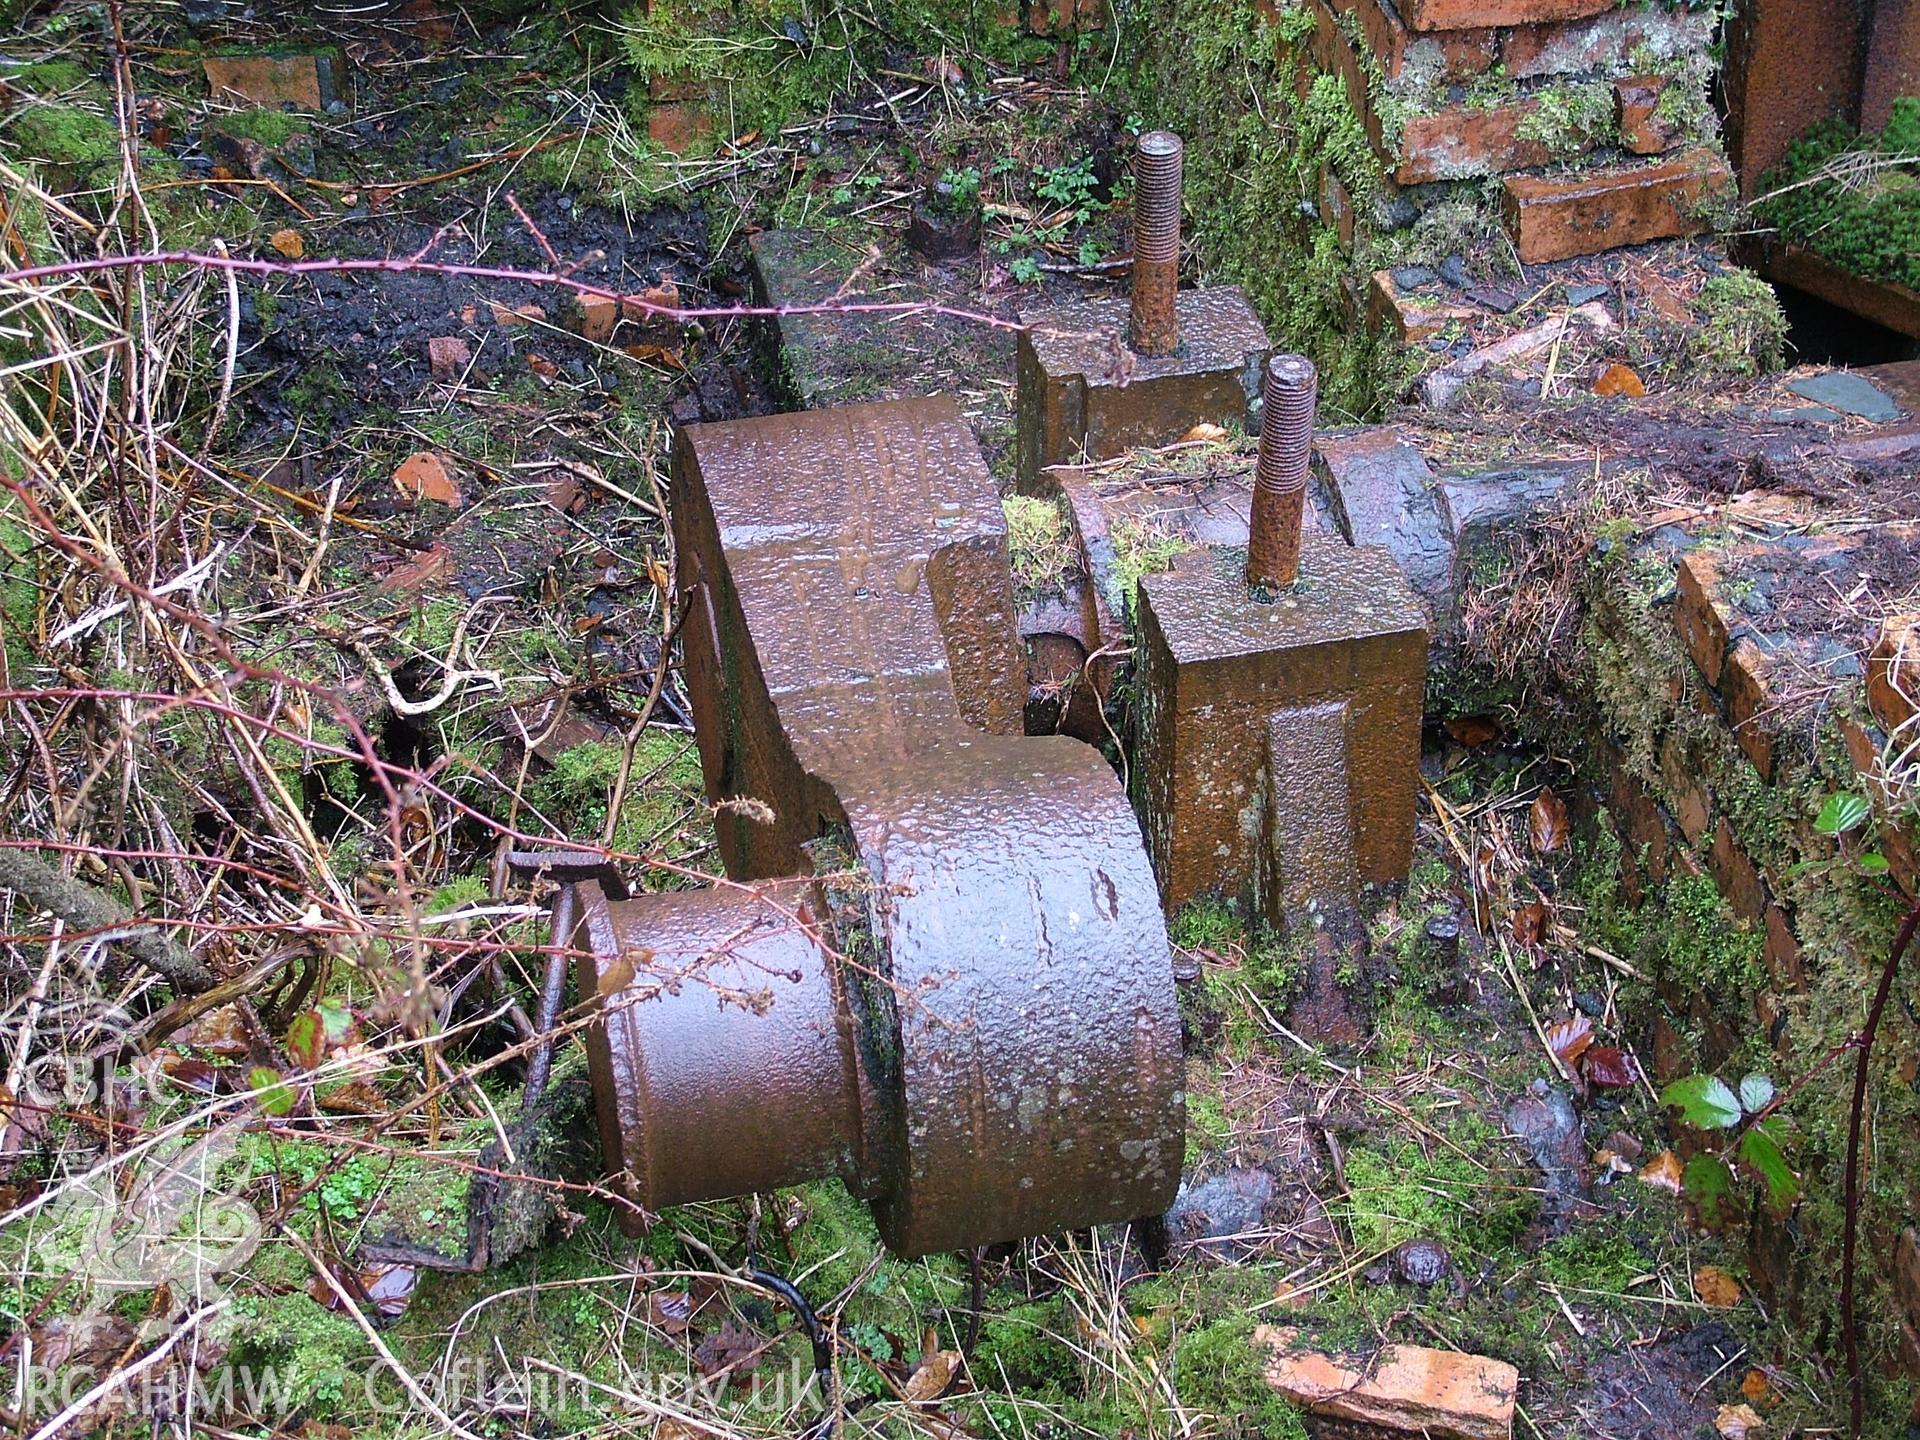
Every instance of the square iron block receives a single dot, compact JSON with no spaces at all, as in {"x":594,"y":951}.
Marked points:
{"x":1279,"y":755}
{"x":1084,"y":395}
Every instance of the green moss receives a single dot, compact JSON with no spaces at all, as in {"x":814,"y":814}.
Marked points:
{"x":1039,"y":545}
{"x":1744,"y":331}
{"x":1141,"y":549}
{"x":1397,"y":1192}
{"x":1851,"y":198}
{"x":271,"y":128}
{"x":663,"y":785}
{"x":1571,"y":119}
{"x":19,"y":593}
{"x":72,"y":138}
{"x":1704,"y":943}
{"x":1220,"y":1374}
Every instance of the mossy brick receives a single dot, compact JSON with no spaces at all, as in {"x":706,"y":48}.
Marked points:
{"x":1687,"y":798}
{"x":1697,"y":616}
{"x":1735,"y":875}
{"x":1746,"y":688}
{"x":1461,"y":141}
{"x":680,"y":126}
{"x":309,"y":80}
{"x":1906,"y":1273}
{"x":1644,"y":130}
{"x":1420,"y":60}
{"x":1066,"y":17}
{"x":1893,"y":673}
{"x":1402,"y":1389}
{"x":1560,"y":217}
{"x":1651,"y":35}
{"x":1478,"y":14}
{"x":1781,"y":953}
{"x":1644,"y":828}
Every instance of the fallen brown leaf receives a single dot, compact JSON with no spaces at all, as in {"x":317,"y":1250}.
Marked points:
{"x":1474,"y":731}
{"x":1609,"y":1067}
{"x":1206,"y":433}
{"x":1570,"y":1039}
{"x":930,"y":1381}
{"x":1530,"y":924}
{"x":1739,"y":1422}
{"x":1664,"y":1172}
{"x":288,"y":242}
{"x":1547,"y":822}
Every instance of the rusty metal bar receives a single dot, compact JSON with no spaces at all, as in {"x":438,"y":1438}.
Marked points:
{"x":1280,"y":473}
{"x":1153,"y":328}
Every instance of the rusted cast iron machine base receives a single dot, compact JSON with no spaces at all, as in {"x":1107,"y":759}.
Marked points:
{"x":946,"y":979}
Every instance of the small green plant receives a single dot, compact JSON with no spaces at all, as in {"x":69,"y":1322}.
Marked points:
{"x":1708,"y":1103}
{"x":962,"y":186}
{"x":1071,"y":185}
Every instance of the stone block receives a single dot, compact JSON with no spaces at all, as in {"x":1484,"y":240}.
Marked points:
{"x":1607,"y":41}
{"x":1636,"y":113}
{"x":1279,"y":741}
{"x":1084,"y":395}
{"x":1404,"y":1389}
{"x":1559,"y":217}
{"x":308,"y":80}
{"x":1382,"y":493}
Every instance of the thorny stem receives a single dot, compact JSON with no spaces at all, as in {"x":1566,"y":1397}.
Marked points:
{"x":1856,"y":1382}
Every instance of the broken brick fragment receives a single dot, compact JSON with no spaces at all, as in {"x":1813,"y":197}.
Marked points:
{"x":310,"y":80}
{"x":1702,"y":625}
{"x":1404,"y":1388}
{"x":1409,"y":318}
{"x":448,"y":357}
{"x":1479,"y":14}
{"x":1636,"y":111}
{"x":424,"y":476}
{"x":679,"y":125}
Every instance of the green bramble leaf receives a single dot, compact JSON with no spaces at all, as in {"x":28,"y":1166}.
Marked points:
{"x":1709,"y":1185}
{"x":1760,"y":1150}
{"x":1841,"y":812}
{"x":1873,"y":862}
{"x":1756,"y":1091}
{"x":275,"y":1098}
{"x":1703,"y":1100}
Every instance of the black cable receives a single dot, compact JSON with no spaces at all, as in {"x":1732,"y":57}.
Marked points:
{"x":817,"y":1336}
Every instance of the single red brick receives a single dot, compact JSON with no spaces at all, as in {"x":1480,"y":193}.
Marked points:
{"x":1403,"y":1388}
{"x":1697,"y":615}
{"x":1636,"y":107}
{"x":594,"y":317}
{"x":1557,"y":218}
{"x":1604,"y":42}
{"x":1750,"y":702}
{"x":1475,"y":14}
{"x":679,"y":125}
{"x":1687,"y":799}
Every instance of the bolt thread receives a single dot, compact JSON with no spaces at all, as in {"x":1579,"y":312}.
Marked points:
{"x":1153,"y":326}
{"x":1280,"y":473}
{"x":1158,"y":161}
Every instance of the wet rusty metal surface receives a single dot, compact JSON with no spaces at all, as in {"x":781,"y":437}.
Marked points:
{"x":852,"y":661}
{"x":1280,"y":742}
{"x":1084,"y":395}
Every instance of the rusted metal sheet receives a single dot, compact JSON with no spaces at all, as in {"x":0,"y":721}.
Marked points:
{"x":1004,"y":1059}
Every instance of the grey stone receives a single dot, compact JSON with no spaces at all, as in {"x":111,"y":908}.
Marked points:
{"x":1412,"y":277}
{"x":1381,"y":489}
{"x":1585,"y":294}
{"x":1844,"y":391}
{"x":1496,"y":298}
{"x":1453,"y":270}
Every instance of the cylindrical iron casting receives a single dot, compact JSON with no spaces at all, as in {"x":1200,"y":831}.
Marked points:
{"x":1153,"y":328}
{"x":1280,"y":473}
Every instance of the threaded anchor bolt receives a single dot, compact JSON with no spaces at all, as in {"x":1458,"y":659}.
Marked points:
{"x":1153,"y":327}
{"x":1280,"y":474}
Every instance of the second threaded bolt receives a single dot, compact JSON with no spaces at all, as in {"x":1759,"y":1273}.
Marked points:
{"x":1153,"y":328}
{"x":1280,"y":474}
